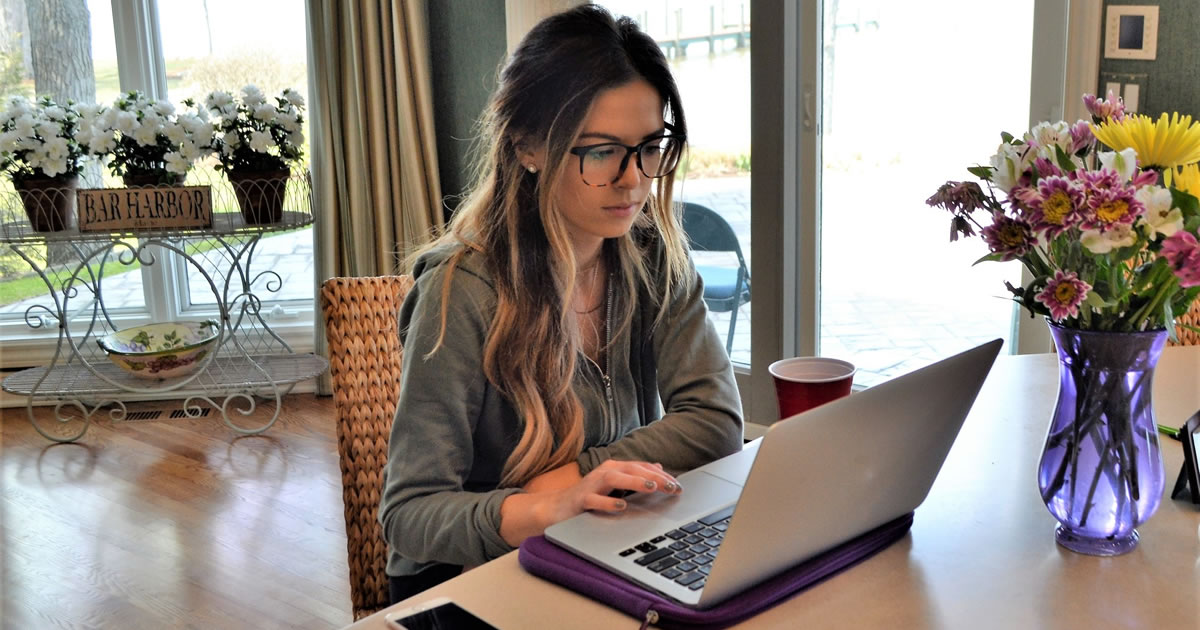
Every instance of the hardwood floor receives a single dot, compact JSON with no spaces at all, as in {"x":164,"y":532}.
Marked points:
{"x":173,"y":523}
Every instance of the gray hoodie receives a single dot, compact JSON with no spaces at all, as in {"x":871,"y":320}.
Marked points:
{"x":453,"y":430}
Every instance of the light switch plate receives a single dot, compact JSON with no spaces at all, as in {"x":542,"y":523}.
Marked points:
{"x":1130,"y":86}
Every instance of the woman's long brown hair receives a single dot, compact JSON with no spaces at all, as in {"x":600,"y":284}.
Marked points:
{"x":510,"y":218}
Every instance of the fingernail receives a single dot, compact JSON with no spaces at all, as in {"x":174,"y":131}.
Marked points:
{"x":620,"y":504}
{"x":649,"y":484}
{"x":672,"y":486}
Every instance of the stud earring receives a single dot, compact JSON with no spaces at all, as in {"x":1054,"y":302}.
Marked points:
{"x":531,"y":168}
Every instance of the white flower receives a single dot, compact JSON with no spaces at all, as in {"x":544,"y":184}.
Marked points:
{"x":176,"y":163}
{"x":293,"y":97}
{"x":164,"y":108}
{"x":124,"y":122}
{"x":231,"y":139}
{"x":146,"y":135}
{"x":88,"y":112}
{"x":48,"y":129}
{"x":23,"y":126}
{"x":1047,"y":134}
{"x":252,"y":96}
{"x":1124,"y":163}
{"x":8,"y":142}
{"x":218,"y":100}
{"x":194,"y":125}
{"x":57,"y":149}
{"x":264,"y":112}
{"x":174,"y":132}
{"x":54,"y":112}
{"x":1160,"y":217}
{"x":103,"y":143}
{"x":296,"y":138}
{"x":1008,"y":163}
{"x":1117,"y":236}
{"x":261,"y":141}
{"x":190,"y":150}
{"x":83,"y":135}
{"x":287,"y":120}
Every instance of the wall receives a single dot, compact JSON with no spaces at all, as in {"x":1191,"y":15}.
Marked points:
{"x":1172,"y":83}
{"x":467,"y":46}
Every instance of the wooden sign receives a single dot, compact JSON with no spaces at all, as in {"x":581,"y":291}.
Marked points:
{"x":115,"y":209}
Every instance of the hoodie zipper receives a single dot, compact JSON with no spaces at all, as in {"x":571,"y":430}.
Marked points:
{"x":609,"y":424}
{"x":651,"y":617}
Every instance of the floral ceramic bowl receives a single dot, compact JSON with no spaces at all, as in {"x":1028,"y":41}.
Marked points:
{"x":158,"y":351}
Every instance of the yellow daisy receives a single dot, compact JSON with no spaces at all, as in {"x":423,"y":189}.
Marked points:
{"x":1165,"y":144}
{"x":1187,"y":179}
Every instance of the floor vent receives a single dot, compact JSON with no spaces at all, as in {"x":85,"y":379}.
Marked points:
{"x":181,"y":413}
{"x":143,"y":415}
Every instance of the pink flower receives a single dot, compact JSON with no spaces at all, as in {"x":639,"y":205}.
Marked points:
{"x":1108,"y":207}
{"x":1056,"y":206}
{"x":1081,"y":136}
{"x":1113,"y":108}
{"x":1008,"y":237}
{"x":1063,"y":295}
{"x":1183,"y":254}
{"x":1101,"y":179}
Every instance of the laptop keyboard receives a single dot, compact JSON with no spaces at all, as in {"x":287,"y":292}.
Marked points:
{"x":684,"y":555}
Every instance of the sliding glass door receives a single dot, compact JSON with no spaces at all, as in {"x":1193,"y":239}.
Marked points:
{"x":911,"y":98}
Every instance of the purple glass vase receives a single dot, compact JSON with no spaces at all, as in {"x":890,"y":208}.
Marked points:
{"x":1101,"y":473}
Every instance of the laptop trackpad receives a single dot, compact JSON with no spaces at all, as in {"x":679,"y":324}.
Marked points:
{"x":702,"y":494}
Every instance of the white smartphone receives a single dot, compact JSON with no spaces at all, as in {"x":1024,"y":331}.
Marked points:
{"x":436,"y":614}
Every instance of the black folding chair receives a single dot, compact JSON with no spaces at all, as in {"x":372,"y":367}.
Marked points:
{"x":725,"y":288}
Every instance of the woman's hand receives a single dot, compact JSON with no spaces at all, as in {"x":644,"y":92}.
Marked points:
{"x":553,"y":496}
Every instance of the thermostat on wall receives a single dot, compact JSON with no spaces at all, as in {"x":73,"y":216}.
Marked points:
{"x":1131,"y":32}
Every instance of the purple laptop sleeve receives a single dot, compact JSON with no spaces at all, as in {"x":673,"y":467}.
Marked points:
{"x":549,"y":561}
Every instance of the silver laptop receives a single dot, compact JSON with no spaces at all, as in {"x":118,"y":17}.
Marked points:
{"x":812,"y":482}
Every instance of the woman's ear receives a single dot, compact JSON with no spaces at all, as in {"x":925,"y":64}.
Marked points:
{"x":530,"y":158}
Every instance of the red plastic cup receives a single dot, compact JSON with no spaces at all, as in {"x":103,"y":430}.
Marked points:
{"x":802,"y":383}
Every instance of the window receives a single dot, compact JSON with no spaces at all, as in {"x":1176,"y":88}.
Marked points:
{"x":173,"y":50}
{"x":708,"y":46}
{"x":787,"y":105}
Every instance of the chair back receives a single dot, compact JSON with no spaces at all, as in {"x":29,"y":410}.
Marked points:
{"x":1186,"y":336}
{"x":364,"y":364}
{"x":708,"y":231}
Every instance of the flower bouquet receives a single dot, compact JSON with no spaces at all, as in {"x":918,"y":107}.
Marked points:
{"x":41,"y":155}
{"x":1103,"y":214}
{"x":146,"y":141}
{"x":257,"y":141}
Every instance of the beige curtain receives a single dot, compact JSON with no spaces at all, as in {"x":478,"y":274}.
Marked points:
{"x":375,"y":179}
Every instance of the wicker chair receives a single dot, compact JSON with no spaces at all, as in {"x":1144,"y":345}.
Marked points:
{"x":1192,"y":317}
{"x":364,"y":364}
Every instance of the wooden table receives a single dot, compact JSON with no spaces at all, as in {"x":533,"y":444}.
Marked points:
{"x":981,"y":553}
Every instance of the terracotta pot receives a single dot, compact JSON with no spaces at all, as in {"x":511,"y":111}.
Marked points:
{"x":152,"y":178}
{"x":49,"y":201}
{"x":260,"y":194}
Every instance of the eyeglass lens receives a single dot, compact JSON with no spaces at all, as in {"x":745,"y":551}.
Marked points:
{"x":602,"y":164}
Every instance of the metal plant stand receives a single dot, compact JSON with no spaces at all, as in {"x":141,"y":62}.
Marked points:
{"x":250,"y":364}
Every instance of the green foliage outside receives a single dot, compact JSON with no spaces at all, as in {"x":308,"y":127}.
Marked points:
{"x":700,"y":163}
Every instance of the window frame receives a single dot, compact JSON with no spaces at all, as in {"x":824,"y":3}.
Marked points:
{"x":142,"y":66}
{"x":786,"y":95}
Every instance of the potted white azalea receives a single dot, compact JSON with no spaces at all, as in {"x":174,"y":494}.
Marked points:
{"x":41,"y":155}
{"x":147,"y":142}
{"x":257,"y":141}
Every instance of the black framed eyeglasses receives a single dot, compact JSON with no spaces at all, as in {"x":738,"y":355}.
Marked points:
{"x":603,"y":164}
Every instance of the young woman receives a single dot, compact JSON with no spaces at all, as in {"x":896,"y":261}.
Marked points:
{"x":557,"y":350}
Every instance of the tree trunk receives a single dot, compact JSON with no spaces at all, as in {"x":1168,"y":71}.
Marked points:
{"x":14,"y":32}
{"x":61,"y":46}
{"x":60,"y":38}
